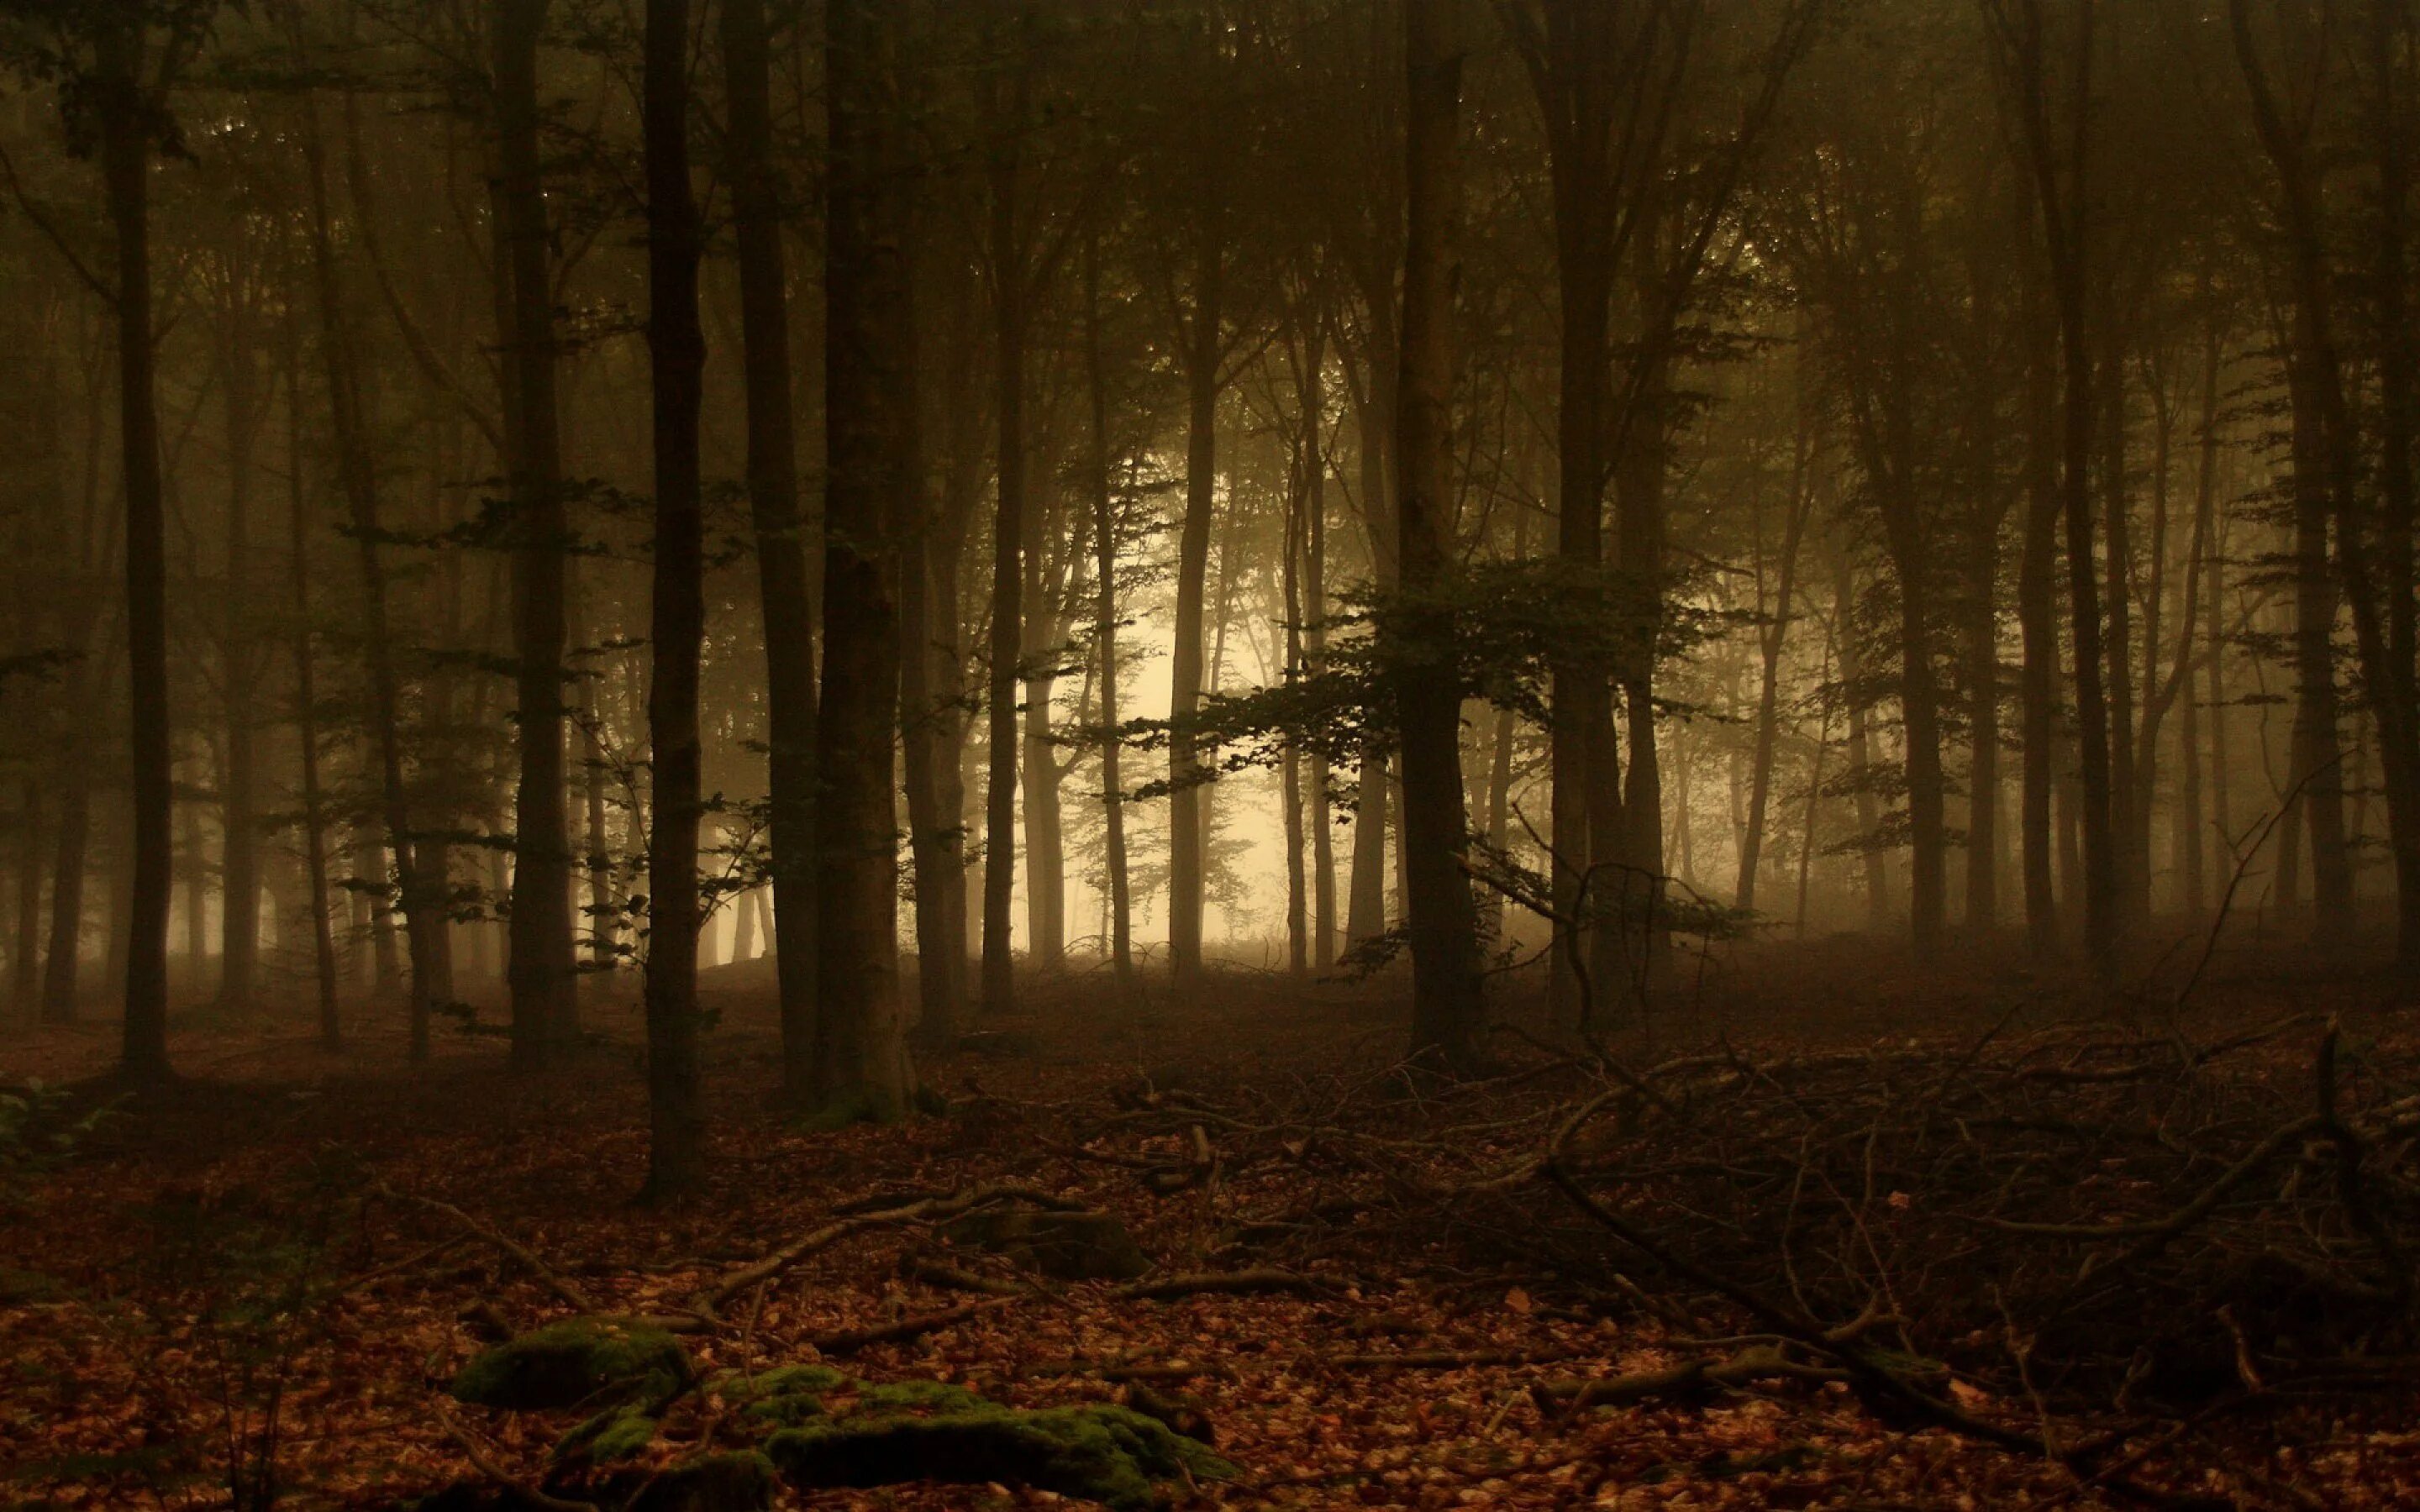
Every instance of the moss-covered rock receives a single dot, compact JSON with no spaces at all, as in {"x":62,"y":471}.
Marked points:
{"x":784,"y":1398}
{"x":581,"y":1361}
{"x":1068,"y":1246}
{"x":917,"y":1396}
{"x":742,"y":1482}
{"x":1101,"y":1453}
{"x":616,"y":1433}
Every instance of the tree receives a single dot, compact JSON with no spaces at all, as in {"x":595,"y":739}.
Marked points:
{"x":676,"y":347}
{"x":781,"y":546}
{"x":873,"y":483}
{"x":1446,"y":1006}
{"x":2059,"y":162}
{"x":545,"y":1001}
{"x":114,"y":63}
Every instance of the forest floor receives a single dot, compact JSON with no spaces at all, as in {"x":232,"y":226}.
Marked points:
{"x":249,"y":1277}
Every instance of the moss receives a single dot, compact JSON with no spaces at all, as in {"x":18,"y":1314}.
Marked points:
{"x":918,"y":1395}
{"x":784,"y":1398}
{"x":1101,"y":1453}
{"x":576,"y":1363}
{"x":616,"y":1433}
{"x":741,"y":1482}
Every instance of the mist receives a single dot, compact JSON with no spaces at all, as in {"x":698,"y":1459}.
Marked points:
{"x":1209,"y":752}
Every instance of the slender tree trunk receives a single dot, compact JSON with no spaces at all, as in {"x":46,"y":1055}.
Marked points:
{"x":1771,"y":640}
{"x":1008,"y":571}
{"x":1323,"y":829}
{"x":541,"y":973}
{"x":196,"y":880}
{"x":1875,"y":860}
{"x":2060,"y":170}
{"x":1290,"y":765}
{"x":676,"y":347}
{"x":933,"y":721}
{"x":781,"y":546}
{"x":2037,"y":628}
{"x":239,"y":821}
{"x":1046,"y":861}
{"x":2391,"y":649}
{"x":25,"y":960}
{"x":1447,"y":1004}
{"x":306,"y":709}
{"x":954,"y":753}
{"x":2315,"y":766}
{"x":2129,"y":827}
{"x":1366,"y":895}
{"x":1630,"y":830}
{"x":125,"y":161}
{"x":1105,"y":629}
{"x":71,"y":851}
{"x":1188,"y":818}
{"x":62,"y":988}
{"x":874,"y":482}
{"x":357,"y":478}
{"x":1581,"y":707}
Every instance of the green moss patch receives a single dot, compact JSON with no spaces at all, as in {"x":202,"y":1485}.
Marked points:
{"x":742,"y":1482}
{"x":780,"y":1398}
{"x":616,"y":1433}
{"x":581,"y":1361}
{"x":932,"y":1431}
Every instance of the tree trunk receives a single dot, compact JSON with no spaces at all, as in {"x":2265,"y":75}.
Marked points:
{"x":2314,"y":769}
{"x":1008,"y":571}
{"x":781,"y":548}
{"x":357,"y":477}
{"x":1323,"y":829}
{"x":1290,"y":765}
{"x":1629,"y":831}
{"x":1366,"y":887}
{"x":239,"y":822}
{"x":2391,"y":651}
{"x":25,"y":960}
{"x":1771,"y":640}
{"x":1447,"y":1004}
{"x":676,"y":350}
{"x":1581,"y":706}
{"x":933,"y":723}
{"x":125,"y":129}
{"x":2130,"y":830}
{"x":1186,"y":842}
{"x":1046,"y":861}
{"x":541,"y":972}
{"x":306,"y":709}
{"x":72,"y":848}
{"x":1104,"y":630}
{"x":874,"y":482}
{"x":2037,"y":628}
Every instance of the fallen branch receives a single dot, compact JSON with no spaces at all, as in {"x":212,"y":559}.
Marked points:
{"x":1689,"y":1378}
{"x":523,"y":1253}
{"x":1440,"y":1359}
{"x":921,"y":1210}
{"x":957,"y":1278}
{"x":850,"y":1340}
{"x":487,"y":1467}
{"x":1228,"y":1282}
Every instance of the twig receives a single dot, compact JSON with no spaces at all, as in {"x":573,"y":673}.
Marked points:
{"x":487,"y":1467}
{"x":1196,"y":1283}
{"x":850,"y":1340}
{"x":528,"y":1258}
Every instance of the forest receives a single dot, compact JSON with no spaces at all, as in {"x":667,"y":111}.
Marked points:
{"x":1209,"y":754}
